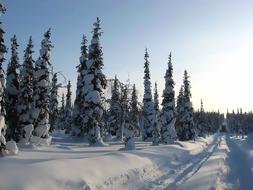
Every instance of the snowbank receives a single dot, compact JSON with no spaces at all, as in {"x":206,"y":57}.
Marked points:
{"x":69,"y":164}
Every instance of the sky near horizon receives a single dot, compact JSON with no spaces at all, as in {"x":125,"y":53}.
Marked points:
{"x":212,"y":39}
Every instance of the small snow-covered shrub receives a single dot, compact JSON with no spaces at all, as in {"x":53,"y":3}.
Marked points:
{"x":11,"y":148}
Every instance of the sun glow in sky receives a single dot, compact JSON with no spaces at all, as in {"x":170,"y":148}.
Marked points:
{"x":212,"y":39}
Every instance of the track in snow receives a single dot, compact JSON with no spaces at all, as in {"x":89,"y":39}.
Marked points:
{"x":172,"y":180}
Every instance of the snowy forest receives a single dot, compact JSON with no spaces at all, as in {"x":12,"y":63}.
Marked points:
{"x":105,"y":111}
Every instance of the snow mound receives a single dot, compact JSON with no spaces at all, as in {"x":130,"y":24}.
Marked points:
{"x":11,"y":148}
{"x":99,"y":143}
{"x":41,"y":141}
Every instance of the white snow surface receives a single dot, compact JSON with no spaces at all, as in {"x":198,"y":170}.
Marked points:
{"x":71,"y":164}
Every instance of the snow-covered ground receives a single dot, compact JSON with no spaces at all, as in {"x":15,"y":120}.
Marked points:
{"x":217,"y":162}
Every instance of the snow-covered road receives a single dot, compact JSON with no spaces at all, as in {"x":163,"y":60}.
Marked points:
{"x":226,"y":164}
{"x":216,"y":162}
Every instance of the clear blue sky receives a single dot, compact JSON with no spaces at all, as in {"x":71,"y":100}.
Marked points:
{"x":212,"y":39}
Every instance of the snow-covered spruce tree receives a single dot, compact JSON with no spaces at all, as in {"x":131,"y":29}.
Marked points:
{"x":61,"y":117}
{"x":180,"y":111}
{"x":25,"y":96}
{"x":12,"y":89}
{"x":156,"y":132}
{"x":115,"y":110}
{"x":42,"y":93}
{"x":95,"y":83}
{"x":63,"y":102}
{"x":53,"y":107}
{"x":134,"y":112}
{"x":148,"y":104}
{"x":202,"y":129}
{"x":156,"y":99}
{"x":167,"y":118}
{"x":77,"y":127}
{"x":68,"y":110}
{"x":126,"y":123}
{"x":3,"y":50}
{"x":186,"y":124}
{"x":2,"y":126}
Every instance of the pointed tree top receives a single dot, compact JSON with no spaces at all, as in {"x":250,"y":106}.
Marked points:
{"x":29,"y":46}
{"x":170,"y":62}
{"x":146,"y":53}
{"x":14,"y":40}
{"x":69,"y":83}
{"x":181,"y":90}
{"x":186,"y":76}
{"x":98,"y":20}
{"x":14,"y":46}
{"x":2,"y":8}
{"x":146,"y":56}
{"x":170,"y":56}
{"x":146,"y":65}
{"x":96,"y":31}
{"x":84,"y":46}
{"x":55,"y":75}
{"x":30,"y":41}
{"x":201,"y":105}
{"x":84,"y":39}
{"x":47,"y":33}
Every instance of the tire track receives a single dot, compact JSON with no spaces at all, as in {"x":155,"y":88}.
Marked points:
{"x":182,"y":174}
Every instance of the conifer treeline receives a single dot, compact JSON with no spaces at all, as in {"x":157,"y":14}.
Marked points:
{"x":30,"y":101}
{"x":239,"y":122}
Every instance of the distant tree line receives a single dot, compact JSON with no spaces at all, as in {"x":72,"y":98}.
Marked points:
{"x":239,"y":122}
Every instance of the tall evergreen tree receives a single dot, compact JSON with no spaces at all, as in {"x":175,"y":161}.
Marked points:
{"x":63,"y":102}
{"x":42,"y":85}
{"x":115,"y":110}
{"x":168,"y":119}
{"x":127,"y":127}
{"x":53,"y":107}
{"x":180,"y":111}
{"x":156,"y":99}
{"x":148,"y":104}
{"x":95,"y":83}
{"x":156,"y":132}
{"x":61,"y":118}
{"x":25,"y":96}
{"x":202,"y":129}
{"x":3,"y":50}
{"x":180,"y":103}
{"x":186,"y":124}
{"x":12,"y":89}
{"x":78,"y":128}
{"x":68,"y":109}
{"x":134,"y":112}
{"x":2,"y":126}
